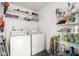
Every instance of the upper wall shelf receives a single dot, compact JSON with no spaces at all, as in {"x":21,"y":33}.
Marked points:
{"x":74,"y":23}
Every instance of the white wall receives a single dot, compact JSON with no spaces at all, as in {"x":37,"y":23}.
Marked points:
{"x":47,"y":23}
{"x":19,"y":23}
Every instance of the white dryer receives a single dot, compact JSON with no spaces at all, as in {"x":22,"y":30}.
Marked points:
{"x":38,"y":42}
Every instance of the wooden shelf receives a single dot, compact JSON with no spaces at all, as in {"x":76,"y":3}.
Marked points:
{"x":69,"y":43}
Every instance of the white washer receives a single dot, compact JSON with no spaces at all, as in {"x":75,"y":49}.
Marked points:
{"x":38,"y":43}
{"x":20,"y":45}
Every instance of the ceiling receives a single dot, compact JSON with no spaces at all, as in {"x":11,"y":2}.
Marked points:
{"x":37,"y":6}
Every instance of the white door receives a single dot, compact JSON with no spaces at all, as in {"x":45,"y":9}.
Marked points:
{"x":37,"y":43}
{"x":20,"y":46}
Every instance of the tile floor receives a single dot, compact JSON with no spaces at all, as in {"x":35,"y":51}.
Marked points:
{"x":42,"y":53}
